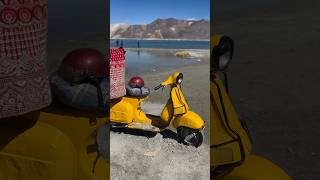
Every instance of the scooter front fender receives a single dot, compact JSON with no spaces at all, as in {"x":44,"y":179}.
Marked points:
{"x":257,"y":168}
{"x":190,"y":120}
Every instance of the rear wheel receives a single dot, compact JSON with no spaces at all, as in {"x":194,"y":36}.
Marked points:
{"x":190,"y":136}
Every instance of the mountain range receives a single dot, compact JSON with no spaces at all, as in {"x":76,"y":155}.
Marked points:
{"x":170,"y":28}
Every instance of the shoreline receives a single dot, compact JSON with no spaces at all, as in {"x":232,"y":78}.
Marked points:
{"x":197,"y":57}
{"x":202,"y":54}
{"x":163,"y":49}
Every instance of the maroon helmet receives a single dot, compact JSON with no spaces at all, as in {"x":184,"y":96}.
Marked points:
{"x":136,"y":82}
{"x":83,"y":63}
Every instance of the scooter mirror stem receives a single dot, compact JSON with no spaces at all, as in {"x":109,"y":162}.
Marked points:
{"x":226,"y":81}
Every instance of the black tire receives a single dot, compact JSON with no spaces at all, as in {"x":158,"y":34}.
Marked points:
{"x":221,"y":171}
{"x":190,"y":136}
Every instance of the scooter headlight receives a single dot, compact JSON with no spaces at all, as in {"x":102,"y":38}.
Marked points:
{"x":180,"y":78}
{"x":222,"y":53}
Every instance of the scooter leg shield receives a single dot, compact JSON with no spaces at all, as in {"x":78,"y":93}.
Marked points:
{"x":257,"y":168}
{"x":190,"y":120}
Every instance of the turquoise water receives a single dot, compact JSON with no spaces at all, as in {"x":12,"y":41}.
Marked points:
{"x":161,"y":44}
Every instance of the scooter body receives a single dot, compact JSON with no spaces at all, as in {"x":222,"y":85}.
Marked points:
{"x":54,"y":143}
{"x":231,"y":154}
{"x":127,"y":111}
{"x":230,"y":142}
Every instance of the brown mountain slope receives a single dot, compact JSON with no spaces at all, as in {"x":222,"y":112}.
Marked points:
{"x":164,"y":29}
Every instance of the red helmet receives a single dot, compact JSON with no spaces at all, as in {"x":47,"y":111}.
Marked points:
{"x":136,"y":82}
{"x":82,"y":63}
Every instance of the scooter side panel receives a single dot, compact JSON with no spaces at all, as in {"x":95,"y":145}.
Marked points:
{"x":190,"y":120}
{"x":225,"y":154}
{"x":77,"y":127}
{"x":231,"y":120}
{"x":179,"y":102}
{"x":257,"y":168}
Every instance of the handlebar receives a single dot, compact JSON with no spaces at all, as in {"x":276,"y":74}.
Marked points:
{"x":158,"y":87}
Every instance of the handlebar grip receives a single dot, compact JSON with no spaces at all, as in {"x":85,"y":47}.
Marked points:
{"x":158,"y":87}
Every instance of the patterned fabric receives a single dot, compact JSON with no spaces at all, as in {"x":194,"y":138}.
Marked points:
{"x":24,"y":86}
{"x":117,"y":73}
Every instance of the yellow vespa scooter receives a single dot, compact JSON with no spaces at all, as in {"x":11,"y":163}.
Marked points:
{"x":126,"y":113}
{"x":230,"y":149}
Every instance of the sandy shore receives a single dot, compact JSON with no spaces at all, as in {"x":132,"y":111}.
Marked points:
{"x":161,"y":157}
{"x":273,"y":81}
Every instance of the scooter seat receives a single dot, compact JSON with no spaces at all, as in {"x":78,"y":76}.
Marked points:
{"x":138,"y":92}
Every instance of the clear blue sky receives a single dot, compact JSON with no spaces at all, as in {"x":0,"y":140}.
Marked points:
{"x":145,"y":11}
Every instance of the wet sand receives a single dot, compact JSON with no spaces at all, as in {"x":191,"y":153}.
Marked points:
{"x":273,"y":80}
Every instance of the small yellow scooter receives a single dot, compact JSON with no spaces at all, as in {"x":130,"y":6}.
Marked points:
{"x":230,"y":142}
{"x":126,"y":113}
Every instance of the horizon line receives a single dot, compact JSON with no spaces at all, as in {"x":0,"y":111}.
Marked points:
{"x":187,"y":19}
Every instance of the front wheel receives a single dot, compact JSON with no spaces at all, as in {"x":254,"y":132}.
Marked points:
{"x":190,"y":136}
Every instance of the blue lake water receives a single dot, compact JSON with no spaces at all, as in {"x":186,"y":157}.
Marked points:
{"x":161,"y":44}
{"x":160,"y":58}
